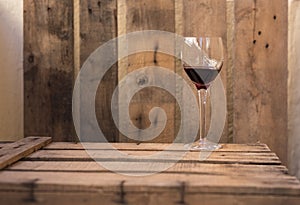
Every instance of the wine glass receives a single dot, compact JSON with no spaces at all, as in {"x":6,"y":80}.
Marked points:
{"x":202,"y":60}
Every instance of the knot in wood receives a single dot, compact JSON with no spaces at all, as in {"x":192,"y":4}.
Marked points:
{"x":142,"y":80}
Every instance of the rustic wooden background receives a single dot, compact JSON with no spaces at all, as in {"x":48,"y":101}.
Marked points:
{"x":60,"y":35}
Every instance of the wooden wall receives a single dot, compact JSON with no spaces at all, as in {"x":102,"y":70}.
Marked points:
{"x":137,"y":16}
{"x":260,"y":73}
{"x":98,"y":24}
{"x":255,"y":77}
{"x":48,"y":68}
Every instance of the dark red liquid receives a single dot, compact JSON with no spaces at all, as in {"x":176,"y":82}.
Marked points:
{"x":201,"y":76}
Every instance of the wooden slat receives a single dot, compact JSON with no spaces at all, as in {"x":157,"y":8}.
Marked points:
{"x":167,"y":198}
{"x":48,"y":68}
{"x":147,"y":15}
{"x":108,"y":155}
{"x":110,"y":182}
{"x":3,"y":144}
{"x":179,"y":168}
{"x":207,"y":18}
{"x":153,"y":146}
{"x":232,"y":175}
{"x":16,"y":151}
{"x":211,"y":14}
{"x":260,"y":73}
{"x":98,"y":24}
{"x":230,"y":19}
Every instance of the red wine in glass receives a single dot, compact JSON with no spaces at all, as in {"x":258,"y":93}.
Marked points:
{"x":202,"y":59}
{"x":202,"y":76}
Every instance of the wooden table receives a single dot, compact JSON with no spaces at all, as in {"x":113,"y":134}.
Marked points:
{"x":63,"y":173}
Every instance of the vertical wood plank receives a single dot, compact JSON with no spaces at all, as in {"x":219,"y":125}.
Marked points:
{"x":230,"y":19}
{"x":97,"y":26}
{"x":206,"y":18}
{"x":260,"y":73}
{"x":148,"y":15}
{"x":76,"y":57}
{"x":48,"y":68}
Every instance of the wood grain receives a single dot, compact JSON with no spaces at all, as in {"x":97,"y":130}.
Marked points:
{"x":260,"y":74}
{"x":148,"y":15}
{"x":258,"y":77}
{"x":107,"y":155}
{"x":151,"y":146}
{"x":48,"y":68}
{"x":206,"y":18}
{"x":188,"y":181}
{"x":160,"y":183}
{"x":13,"y":152}
{"x":180,"y":167}
{"x":98,"y":24}
{"x":168,"y":198}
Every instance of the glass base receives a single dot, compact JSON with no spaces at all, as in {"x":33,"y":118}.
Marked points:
{"x":205,"y":145}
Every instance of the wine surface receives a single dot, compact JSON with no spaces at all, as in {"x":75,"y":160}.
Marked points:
{"x":201,"y":76}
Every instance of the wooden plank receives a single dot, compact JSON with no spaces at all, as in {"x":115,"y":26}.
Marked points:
{"x":109,"y":155}
{"x":260,"y":74}
{"x":270,"y":171}
{"x":3,"y":144}
{"x":48,"y":68}
{"x":170,"y":198}
{"x":230,"y":19}
{"x":211,"y":14}
{"x":272,"y":44}
{"x":98,"y":24}
{"x":152,"y":146}
{"x":16,"y":151}
{"x":188,"y":181}
{"x":206,"y":18}
{"x":160,"y":183}
{"x":147,"y":15}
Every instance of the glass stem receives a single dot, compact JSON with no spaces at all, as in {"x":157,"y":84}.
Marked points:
{"x":202,"y":94}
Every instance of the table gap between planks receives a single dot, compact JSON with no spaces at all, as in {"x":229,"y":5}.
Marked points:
{"x":36,"y":171}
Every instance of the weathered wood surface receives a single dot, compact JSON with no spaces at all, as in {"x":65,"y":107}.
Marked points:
{"x":151,"y":146}
{"x":256,"y":82}
{"x":147,"y":15}
{"x":48,"y":68}
{"x":104,"y":155}
{"x":207,"y":18}
{"x":172,"y":16}
{"x":71,"y":181}
{"x":12,"y":152}
{"x":260,"y":74}
{"x":168,"y":198}
{"x":3,"y":144}
{"x":180,"y":167}
{"x":98,"y":24}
